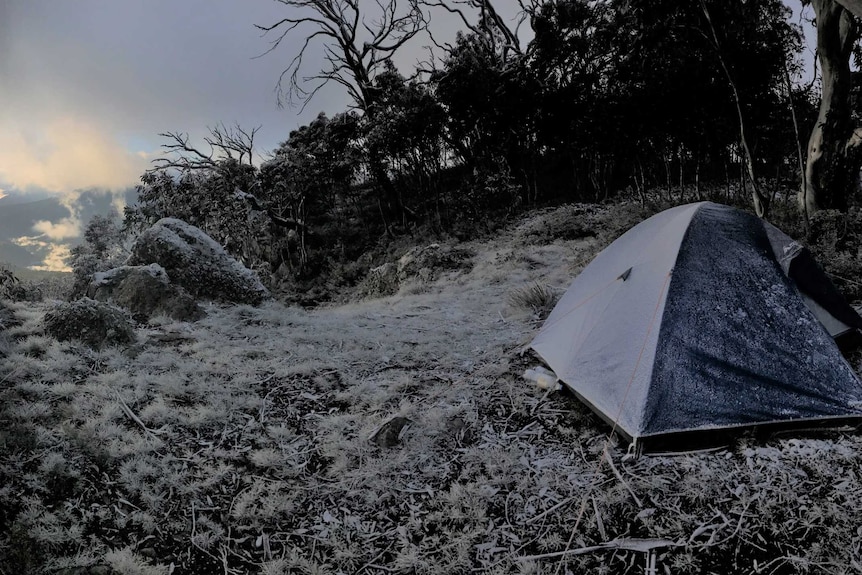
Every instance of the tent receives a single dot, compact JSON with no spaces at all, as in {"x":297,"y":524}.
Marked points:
{"x":699,"y":321}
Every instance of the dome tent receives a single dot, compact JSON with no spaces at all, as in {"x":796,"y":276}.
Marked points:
{"x":701,"y":320}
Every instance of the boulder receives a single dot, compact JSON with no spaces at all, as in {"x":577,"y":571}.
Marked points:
{"x":197,"y":263}
{"x":95,"y":323}
{"x":144,"y":291}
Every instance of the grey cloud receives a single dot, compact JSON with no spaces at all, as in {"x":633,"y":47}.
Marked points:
{"x":144,"y":67}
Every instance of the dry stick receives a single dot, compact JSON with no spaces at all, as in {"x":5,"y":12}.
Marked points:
{"x":642,"y":545}
{"x":131,"y":414}
{"x":738,"y":525}
{"x":599,"y":523}
{"x":551,"y":510}
{"x":623,"y":481}
{"x":223,"y":556}
{"x":844,"y":279}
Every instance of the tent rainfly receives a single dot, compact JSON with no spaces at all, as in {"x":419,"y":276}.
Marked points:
{"x":703,"y":321}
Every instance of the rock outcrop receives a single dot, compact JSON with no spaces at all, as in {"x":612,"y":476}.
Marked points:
{"x":197,"y":263}
{"x":419,"y":265}
{"x":144,"y":291}
{"x":427,"y":263}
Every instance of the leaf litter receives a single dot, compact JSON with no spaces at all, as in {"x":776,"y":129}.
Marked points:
{"x":393,"y":435}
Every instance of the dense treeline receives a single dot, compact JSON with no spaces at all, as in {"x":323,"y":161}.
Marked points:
{"x":607,"y":98}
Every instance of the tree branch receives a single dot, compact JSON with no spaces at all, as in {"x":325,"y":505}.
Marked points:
{"x":224,"y":143}
{"x":351,"y":61}
{"x":852,"y":6}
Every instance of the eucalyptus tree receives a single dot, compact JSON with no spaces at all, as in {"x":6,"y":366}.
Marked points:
{"x":358,"y":39}
{"x":308,"y":181}
{"x":407,"y":128}
{"x":834,"y":157}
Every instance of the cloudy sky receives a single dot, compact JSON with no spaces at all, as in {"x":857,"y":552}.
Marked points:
{"x":87,"y":85}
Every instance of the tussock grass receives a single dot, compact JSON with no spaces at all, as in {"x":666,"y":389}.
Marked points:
{"x":240,"y":444}
{"x":536,"y":298}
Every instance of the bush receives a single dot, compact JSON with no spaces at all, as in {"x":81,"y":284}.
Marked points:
{"x":54,"y":287}
{"x":104,"y":248}
{"x":10,"y":285}
{"x":835,"y":239}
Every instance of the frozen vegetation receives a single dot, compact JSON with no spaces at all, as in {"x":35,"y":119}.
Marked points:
{"x":389,"y":435}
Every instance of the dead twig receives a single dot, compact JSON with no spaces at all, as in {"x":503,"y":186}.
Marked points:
{"x":619,"y":476}
{"x":535,"y":518}
{"x":131,"y":415}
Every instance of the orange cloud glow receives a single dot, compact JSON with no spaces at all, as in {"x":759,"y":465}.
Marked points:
{"x":64,"y":155}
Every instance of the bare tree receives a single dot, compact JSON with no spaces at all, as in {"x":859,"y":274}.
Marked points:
{"x":356,"y":44}
{"x":234,"y":143}
{"x":482,"y":19}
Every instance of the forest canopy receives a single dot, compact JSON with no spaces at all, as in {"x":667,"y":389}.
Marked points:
{"x":607,"y":99}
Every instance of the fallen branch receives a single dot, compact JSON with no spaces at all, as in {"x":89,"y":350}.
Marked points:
{"x":547,"y":511}
{"x":632,"y":544}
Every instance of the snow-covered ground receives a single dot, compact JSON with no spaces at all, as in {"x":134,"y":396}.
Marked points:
{"x":259,"y":440}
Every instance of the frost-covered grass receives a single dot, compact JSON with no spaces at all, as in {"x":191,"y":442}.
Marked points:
{"x":241,"y":444}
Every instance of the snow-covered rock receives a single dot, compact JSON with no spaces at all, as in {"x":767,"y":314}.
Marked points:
{"x":197,"y":263}
{"x":144,"y":291}
{"x":95,"y":323}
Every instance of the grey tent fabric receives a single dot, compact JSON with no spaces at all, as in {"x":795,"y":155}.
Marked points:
{"x":703,"y":318}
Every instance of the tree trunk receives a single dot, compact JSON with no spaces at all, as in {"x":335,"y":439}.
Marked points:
{"x":388,"y":199}
{"x":804,"y":192}
{"x":830,"y":168}
{"x":761,"y":205}
{"x":697,"y":180}
{"x":669,"y":186}
{"x":726,"y":182}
